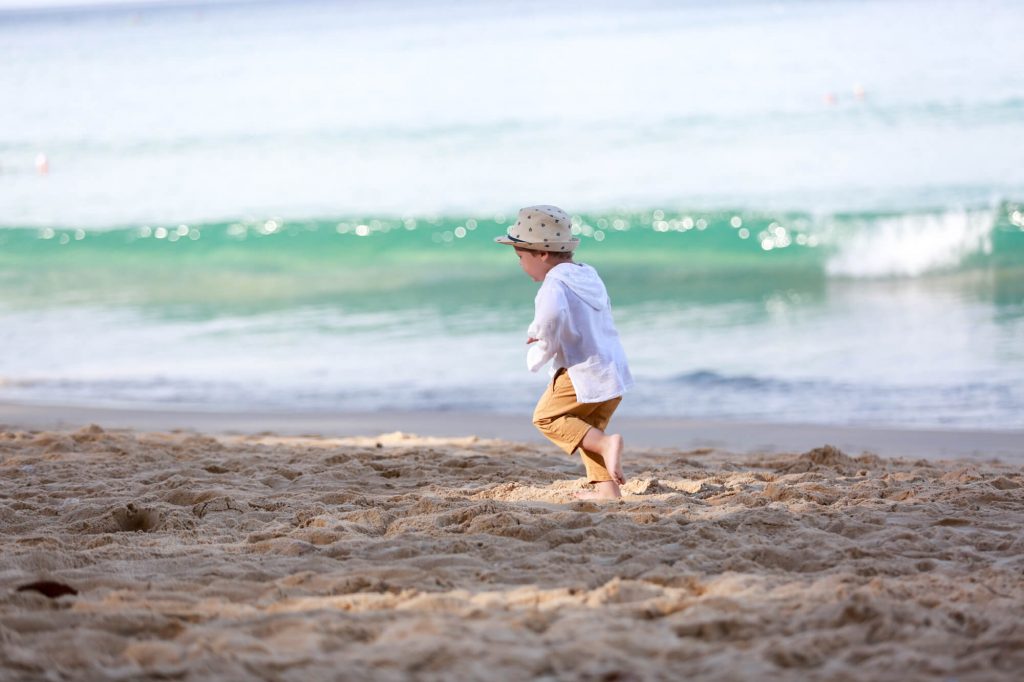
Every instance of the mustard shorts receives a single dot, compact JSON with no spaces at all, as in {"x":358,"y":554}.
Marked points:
{"x":565,"y":421}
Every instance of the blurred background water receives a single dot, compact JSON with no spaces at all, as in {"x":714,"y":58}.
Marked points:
{"x":805,"y":211}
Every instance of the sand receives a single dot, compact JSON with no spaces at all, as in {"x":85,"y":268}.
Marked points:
{"x":193,"y":557}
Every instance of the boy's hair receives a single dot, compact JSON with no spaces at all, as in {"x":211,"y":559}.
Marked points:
{"x":556,"y":255}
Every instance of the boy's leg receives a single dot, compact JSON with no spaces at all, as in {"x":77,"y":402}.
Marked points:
{"x":567,"y":423}
{"x":598,"y":469}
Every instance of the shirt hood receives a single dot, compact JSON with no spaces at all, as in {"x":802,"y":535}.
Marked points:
{"x":582,"y":280}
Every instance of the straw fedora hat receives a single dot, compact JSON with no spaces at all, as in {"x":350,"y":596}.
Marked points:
{"x":541,"y":228}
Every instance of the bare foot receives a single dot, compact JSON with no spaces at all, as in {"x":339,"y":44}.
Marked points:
{"x":604,"y":490}
{"x":613,"y":457}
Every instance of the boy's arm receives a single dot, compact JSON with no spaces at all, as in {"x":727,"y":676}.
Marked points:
{"x":543,"y":331}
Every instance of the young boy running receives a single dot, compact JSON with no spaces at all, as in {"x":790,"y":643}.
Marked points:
{"x":572,"y":326}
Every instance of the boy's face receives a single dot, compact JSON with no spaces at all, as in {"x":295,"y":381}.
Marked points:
{"x":535,"y":263}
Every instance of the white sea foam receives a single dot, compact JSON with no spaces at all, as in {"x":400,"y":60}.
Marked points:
{"x":912,"y":244}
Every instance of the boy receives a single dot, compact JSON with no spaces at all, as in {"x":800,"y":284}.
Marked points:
{"x":573,"y":326}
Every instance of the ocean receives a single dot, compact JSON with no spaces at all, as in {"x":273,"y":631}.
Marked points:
{"x":804,"y":211}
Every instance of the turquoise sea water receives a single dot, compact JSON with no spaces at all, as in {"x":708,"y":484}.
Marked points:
{"x":803,"y":211}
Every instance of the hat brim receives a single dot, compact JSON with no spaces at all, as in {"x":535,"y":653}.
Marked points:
{"x":538,"y":246}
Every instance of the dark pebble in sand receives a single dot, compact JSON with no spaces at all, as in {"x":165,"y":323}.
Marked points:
{"x":49,"y":588}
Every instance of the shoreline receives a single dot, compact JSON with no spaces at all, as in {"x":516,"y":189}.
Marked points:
{"x":645,"y":432}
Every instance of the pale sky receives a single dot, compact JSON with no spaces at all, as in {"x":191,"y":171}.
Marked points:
{"x":48,"y":4}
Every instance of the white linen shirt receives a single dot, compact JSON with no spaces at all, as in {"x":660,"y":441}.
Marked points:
{"x":573,"y":327}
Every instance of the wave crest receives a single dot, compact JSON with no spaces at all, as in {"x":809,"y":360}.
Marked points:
{"x":914,"y":244}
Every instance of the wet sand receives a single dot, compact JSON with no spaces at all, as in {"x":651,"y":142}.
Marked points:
{"x":732,"y":436}
{"x":397,"y":557}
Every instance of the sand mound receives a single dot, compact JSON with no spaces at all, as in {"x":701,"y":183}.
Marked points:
{"x":159,"y":556}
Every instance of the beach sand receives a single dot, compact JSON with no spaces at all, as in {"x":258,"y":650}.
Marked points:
{"x":283,"y":557}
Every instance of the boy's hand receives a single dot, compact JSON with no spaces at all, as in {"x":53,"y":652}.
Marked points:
{"x":531,"y":340}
